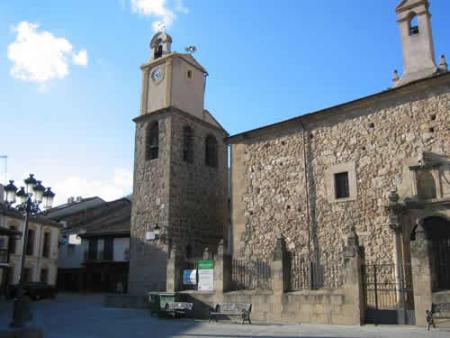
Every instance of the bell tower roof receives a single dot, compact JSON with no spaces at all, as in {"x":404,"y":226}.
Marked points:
{"x":407,"y":4}
{"x":414,"y":19}
{"x":160,"y":45}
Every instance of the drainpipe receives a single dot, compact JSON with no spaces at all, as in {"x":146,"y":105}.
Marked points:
{"x":306,"y":186}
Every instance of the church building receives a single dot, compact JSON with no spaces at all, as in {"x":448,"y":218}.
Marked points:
{"x":336,"y":216}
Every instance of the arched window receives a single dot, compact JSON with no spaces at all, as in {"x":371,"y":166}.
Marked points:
{"x":188,"y":143}
{"x":152,"y":141}
{"x":158,"y":51}
{"x":211,"y":151}
{"x":413,"y":25}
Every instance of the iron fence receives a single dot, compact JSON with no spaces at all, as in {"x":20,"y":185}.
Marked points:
{"x":381,"y":287}
{"x":251,"y":275}
{"x":305,"y":274}
{"x":388,"y":298}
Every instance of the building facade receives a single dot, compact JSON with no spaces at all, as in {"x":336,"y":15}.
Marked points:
{"x":95,"y":239}
{"x":337,"y":216}
{"x":41,"y":261}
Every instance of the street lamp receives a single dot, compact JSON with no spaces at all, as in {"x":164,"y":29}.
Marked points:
{"x":26,"y":201}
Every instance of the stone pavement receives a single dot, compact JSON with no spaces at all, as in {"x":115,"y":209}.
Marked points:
{"x":83,"y":316}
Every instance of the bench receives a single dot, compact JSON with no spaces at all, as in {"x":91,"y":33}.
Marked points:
{"x":241,"y":310}
{"x":438,"y":311}
{"x":176,"y":308}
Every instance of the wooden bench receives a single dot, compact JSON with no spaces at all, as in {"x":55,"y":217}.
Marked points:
{"x":176,"y":308}
{"x":241,"y":310}
{"x":438,"y":311}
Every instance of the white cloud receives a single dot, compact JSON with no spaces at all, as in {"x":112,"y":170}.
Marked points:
{"x":39,"y":56}
{"x":80,"y":58}
{"x":117,"y":186}
{"x":180,"y":7}
{"x":159,"y":9}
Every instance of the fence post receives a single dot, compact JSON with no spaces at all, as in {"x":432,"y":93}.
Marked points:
{"x":173,"y":274}
{"x":278,"y":267}
{"x":421,"y":272}
{"x":353,"y":282}
{"x":222,"y":271}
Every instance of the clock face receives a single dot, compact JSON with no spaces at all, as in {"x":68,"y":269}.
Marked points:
{"x":157,"y":74}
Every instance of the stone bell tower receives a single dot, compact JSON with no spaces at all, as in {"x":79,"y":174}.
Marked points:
{"x":180,"y":168}
{"x":414,"y":19}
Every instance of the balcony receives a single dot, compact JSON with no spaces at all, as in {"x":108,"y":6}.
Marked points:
{"x":93,"y":256}
{"x":97,"y":256}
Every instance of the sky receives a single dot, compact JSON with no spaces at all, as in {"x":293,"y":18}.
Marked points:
{"x":70,"y":80}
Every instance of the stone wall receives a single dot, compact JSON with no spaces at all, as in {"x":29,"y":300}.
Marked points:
{"x":326,"y":307}
{"x":150,"y":207}
{"x":186,"y":200}
{"x":376,"y":136}
{"x":331,"y":306}
{"x":198,"y":193}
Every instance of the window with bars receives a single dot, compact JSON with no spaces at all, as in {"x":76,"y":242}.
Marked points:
{"x":341,"y":187}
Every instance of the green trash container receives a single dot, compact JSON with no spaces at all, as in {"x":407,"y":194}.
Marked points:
{"x":160,"y":301}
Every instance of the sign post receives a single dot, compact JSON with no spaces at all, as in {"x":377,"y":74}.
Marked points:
{"x":206,"y":275}
{"x":189,"y":277}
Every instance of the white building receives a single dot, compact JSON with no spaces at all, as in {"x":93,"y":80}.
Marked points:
{"x":41,"y":261}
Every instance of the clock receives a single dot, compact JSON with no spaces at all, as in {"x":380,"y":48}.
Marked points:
{"x":157,"y":74}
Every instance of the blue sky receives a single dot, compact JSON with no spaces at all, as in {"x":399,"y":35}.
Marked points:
{"x":69,"y":119}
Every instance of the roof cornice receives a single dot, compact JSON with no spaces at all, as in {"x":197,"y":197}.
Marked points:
{"x":172,"y":109}
{"x":364,"y":102}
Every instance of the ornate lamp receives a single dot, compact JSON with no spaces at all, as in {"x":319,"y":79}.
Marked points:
{"x":30,"y":182}
{"x":38,"y":192}
{"x":48,"y":196}
{"x":28,"y":200}
{"x":10,"y":192}
{"x":22,"y":196}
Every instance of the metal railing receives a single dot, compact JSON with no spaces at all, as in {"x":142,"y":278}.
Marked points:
{"x":93,"y":256}
{"x":251,"y":275}
{"x":305,"y":274}
{"x":3,"y":256}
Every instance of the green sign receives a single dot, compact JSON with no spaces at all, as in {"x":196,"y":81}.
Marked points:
{"x":206,"y":264}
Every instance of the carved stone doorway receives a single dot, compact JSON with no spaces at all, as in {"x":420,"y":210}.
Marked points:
{"x":437,"y":231}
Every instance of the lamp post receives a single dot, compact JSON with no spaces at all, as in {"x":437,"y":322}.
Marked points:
{"x":27,"y":201}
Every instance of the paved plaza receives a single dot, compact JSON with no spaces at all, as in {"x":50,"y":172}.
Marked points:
{"x":83,"y":316}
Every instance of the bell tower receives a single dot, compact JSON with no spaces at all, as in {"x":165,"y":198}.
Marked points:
{"x":414,"y":19}
{"x":180,"y":170}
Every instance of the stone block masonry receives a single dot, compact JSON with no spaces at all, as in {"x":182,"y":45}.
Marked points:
{"x":283,"y":174}
{"x":186,"y":200}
